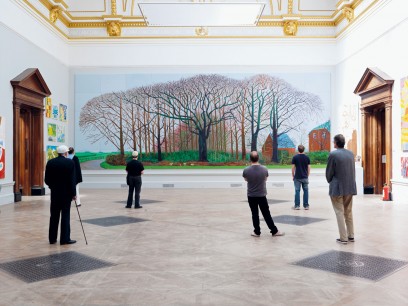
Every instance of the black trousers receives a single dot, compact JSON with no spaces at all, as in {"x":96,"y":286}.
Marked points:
{"x":60,"y":207}
{"x":135,"y":184}
{"x":262,"y":203}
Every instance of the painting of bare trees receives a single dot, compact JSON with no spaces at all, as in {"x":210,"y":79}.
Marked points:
{"x":200,"y":113}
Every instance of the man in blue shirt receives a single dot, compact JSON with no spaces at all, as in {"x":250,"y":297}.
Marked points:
{"x":300,"y":175}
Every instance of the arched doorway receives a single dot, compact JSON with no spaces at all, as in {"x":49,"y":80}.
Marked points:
{"x":29,"y":91}
{"x":375,"y":90}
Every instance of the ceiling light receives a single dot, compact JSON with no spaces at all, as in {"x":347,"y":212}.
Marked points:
{"x":202,"y":14}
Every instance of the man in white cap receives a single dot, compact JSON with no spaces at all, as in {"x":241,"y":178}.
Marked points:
{"x":60,"y":178}
{"x":134,"y":170}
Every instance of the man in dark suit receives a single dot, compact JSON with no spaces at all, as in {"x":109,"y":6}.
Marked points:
{"x":134,"y":170}
{"x":341,"y":176}
{"x":60,"y":177}
{"x":78,"y":172}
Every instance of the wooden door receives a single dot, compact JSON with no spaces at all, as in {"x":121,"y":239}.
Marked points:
{"x":24,"y":152}
{"x":29,"y":91}
{"x":375,"y":90}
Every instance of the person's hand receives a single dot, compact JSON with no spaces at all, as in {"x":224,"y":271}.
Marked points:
{"x":74,"y":198}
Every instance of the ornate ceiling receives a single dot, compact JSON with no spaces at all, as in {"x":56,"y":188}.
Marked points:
{"x":132,"y":19}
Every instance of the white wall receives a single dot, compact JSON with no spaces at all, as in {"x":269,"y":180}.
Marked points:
{"x":388,"y":53}
{"x":377,"y":39}
{"x":18,"y":54}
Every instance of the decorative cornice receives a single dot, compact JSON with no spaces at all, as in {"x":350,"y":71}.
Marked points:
{"x":290,"y":27}
{"x":308,"y":22}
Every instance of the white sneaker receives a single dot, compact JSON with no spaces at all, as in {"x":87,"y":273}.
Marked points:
{"x":279,"y":233}
{"x":255,"y":235}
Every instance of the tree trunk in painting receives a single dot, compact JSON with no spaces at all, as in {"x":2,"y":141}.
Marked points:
{"x":121,"y":143}
{"x":275,"y":146}
{"x":254,"y":141}
{"x":243,"y":153}
{"x":202,"y":147}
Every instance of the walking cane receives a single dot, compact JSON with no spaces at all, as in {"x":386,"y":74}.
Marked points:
{"x":81,"y":222}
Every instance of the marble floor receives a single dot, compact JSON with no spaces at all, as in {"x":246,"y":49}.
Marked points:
{"x":195,"y":248}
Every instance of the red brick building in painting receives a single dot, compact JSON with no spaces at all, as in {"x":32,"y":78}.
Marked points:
{"x":319,"y":138}
{"x":284,"y":144}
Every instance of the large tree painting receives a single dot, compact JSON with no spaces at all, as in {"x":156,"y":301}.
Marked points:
{"x":198,"y":113}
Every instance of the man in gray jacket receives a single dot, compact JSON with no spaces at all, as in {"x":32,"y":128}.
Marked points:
{"x":341,"y":176}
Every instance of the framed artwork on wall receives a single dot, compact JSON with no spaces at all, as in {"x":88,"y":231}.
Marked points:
{"x":404,"y":114}
{"x":52,"y":132}
{"x":48,"y":107}
{"x":404,"y":167}
{"x":60,"y":133}
{"x":2,"y":148}
{"x":173,"y":117}
{"x":51,"y":152}
{"x":63,"y":112}
{"x":55,"y":112}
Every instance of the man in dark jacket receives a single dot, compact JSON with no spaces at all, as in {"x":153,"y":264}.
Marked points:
{"x":341,"y":176}
{"x":134,"y":170}
{"x":78,"y":173}
{"x":60,"y":178}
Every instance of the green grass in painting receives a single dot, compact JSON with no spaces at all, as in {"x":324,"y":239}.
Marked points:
{"x":88,"y":156}
{"x":186,"y":159}
{"x":105,"y":165}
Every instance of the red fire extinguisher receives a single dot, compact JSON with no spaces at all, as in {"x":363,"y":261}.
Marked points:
{"x":386,"y":193}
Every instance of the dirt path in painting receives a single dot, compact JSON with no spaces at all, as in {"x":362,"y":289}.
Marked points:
{"x":92,"y":165}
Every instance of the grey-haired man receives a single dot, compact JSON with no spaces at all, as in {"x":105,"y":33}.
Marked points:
{"x":60,"y":177}
{"x":341,"y":176}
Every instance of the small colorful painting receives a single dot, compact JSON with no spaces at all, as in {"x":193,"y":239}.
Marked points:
{"x":52,"y":132}
{"x":404,"y":114}
{"x":2,"y":148}
{"x":48,"y":106}
{"x":51,"y":152}
{"x":55,"y":112}
{"x":63,"y":112}
{"x":60,"y":133}
{"x":404,"y":167}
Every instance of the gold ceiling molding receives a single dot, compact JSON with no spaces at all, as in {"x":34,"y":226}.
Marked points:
{"x":300,"y":23}
{"x":326,"y":24}
{"x":113,"y":7}
{"x":290,"y":27}
{"x":55,"y":12}
{"x":205,"y":37}
{"x":201,"y":31}
{"x":62,"y":3}
{"x":78,"y":25}
{"x":356,"y":18}
{"x":348,"y":13}
{"x":46,"y":3}
{"x":270,"y":24}
{"x":114,"y":30}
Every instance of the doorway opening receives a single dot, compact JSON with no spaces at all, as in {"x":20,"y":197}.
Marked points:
{"x":29,"y":91}
{"x":375,"y":90}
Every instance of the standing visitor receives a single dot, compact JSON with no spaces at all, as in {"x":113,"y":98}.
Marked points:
{"x":134,"y":170}
{"x":60,"y":178}
{"x":78,"y":173}
{"x":256,"y":176}
{"x":341,"y":176}
{"x":300,"y":176}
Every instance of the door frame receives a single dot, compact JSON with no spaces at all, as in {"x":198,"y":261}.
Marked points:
{"x":29,"y":91}
{"x":375,"y":90}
